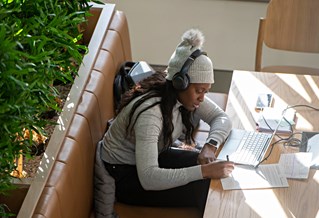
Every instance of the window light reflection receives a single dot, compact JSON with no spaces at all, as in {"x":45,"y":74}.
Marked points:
{"x":257,"y":203}
{"x":304,"y":124}
{"x":316,"y":177}
{"x":294,"y":83}
{"x":240,"y":113}
{"x":61,"y":124}
{"x":313,"y":85}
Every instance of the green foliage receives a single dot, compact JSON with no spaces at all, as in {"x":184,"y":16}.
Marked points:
{"x":39,"y":45}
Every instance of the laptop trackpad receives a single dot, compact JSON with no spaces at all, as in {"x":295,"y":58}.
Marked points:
{"x":231,"y":144}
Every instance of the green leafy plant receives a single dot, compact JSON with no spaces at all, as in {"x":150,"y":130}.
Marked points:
{"x":39,"y":45}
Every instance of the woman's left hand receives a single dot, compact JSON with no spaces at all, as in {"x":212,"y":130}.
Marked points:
{"x":207,"y":154}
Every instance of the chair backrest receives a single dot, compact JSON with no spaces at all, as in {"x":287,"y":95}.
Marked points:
{"x":291,"y":25}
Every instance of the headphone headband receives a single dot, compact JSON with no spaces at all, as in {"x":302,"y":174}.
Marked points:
{"x":181,"y":79}
{"x":191,"y":59}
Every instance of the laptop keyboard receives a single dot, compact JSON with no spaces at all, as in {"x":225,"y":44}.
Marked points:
{"x":251,"y":147}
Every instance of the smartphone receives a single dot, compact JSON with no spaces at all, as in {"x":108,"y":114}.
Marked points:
{"x":263,"y":100}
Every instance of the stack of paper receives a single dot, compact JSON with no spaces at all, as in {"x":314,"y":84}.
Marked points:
{"x":291,"y":166}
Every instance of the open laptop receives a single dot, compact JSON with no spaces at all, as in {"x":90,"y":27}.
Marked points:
{"x":247,"y":147}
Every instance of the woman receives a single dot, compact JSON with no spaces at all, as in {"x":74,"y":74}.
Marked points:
{"x":136,"y":149}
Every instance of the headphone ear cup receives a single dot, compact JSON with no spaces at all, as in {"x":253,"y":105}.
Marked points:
{"x":180,"y":81}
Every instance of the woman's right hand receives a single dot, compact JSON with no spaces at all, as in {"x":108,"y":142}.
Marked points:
{"x":217,"y":169}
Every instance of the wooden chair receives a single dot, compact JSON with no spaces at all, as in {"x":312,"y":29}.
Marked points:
{"x":290,"y":25}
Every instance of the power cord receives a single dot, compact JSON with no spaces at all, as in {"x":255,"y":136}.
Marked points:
{"x":291,"y":140}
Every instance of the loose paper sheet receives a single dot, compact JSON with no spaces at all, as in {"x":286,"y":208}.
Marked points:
{"x":247,"y":177}
{"x":296,"y":165}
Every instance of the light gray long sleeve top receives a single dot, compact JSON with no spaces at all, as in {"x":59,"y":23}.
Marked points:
{"x":141,"y":146}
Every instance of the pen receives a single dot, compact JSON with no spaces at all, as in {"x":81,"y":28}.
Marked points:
{"x":227,"y":157}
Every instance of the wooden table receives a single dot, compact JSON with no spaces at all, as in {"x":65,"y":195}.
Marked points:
{"x":301,"y":198}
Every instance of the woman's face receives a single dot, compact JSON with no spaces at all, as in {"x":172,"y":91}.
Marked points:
{"x":193,"y":95}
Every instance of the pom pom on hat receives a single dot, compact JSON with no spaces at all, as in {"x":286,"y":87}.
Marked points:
{"x":194,"y":38}
{"x":201,"y":70}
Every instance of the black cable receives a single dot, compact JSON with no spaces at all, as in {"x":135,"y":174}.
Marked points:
{"x":271,"y":129}
{"x":290,"y":140}
{"x":266,"y":158}
{"x":303,"y":105}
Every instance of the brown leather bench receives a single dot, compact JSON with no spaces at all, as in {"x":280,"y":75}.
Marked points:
{"x":68,"y":192}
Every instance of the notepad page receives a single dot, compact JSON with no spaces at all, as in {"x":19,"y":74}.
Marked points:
{"x":296,"y":165}
{"x":247,"y":177}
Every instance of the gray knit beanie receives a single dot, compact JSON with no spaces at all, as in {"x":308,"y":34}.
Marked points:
{"x":201,"y":70}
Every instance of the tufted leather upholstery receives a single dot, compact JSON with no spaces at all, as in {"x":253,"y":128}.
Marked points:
{"x":69,"y":189}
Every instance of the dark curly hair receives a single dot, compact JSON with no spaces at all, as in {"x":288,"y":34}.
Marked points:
{"x":157,"y":86}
